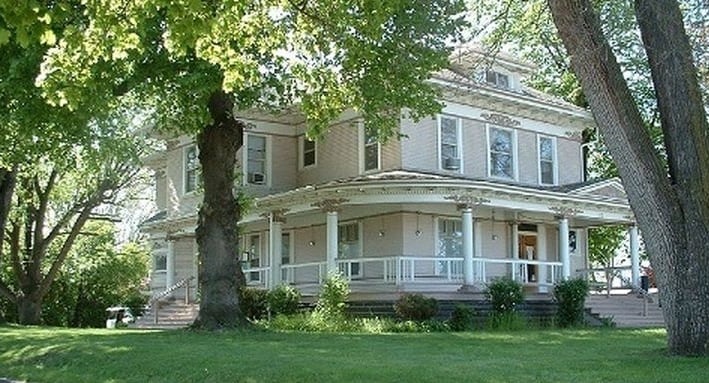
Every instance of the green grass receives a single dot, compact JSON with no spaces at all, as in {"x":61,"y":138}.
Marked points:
{"x":67,"y":355}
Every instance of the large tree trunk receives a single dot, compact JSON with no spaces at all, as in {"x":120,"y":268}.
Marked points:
{"x":220,"y":273}
{"x":672,"y":212}
{"x":29,"y":310}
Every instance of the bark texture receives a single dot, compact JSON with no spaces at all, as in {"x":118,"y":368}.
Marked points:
{"x":673,"y":212}
{"x":220,"y":273}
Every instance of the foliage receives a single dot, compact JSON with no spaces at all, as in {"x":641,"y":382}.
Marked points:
{"x":504,"y":295}
{"x":311,"y":322}
{"x":603,"y":242}
{"x":253,"y":302}
{"x":284,"y":299}
{"x":506,"y":321}
{"x":416,"y":307}
{"x":571,"y":297}
{"x":332,"y":301}
{"x":462,"y":318}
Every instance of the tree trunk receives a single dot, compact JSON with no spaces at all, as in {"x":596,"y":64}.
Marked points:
{"x":220,"y":273}
{"x":670,"y":211}
{"x":29,"y":310}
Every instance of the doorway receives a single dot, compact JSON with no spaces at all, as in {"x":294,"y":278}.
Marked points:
{"x":528,"y":251}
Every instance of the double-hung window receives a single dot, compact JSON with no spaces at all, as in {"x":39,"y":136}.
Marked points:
{"x":497,"y":79}
{"x":349,"y":246}
{"x":307,"y":152}
{"x":449,"y":143}
{"x":371,"y":155}
{"x":547,"y":160}
{"x":191,"y":169}
{"x":501,"y":153}
{"x":256,"y":164}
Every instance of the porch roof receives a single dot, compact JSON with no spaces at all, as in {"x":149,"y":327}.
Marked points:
{"x":602,"y":201}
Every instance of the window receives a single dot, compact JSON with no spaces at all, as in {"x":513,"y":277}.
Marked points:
{"x":497,"y":79}
{"x":450,"y":241}
{"x":252,"y":258}
{"x":160,"y":262}
{"x":285,"y":254}
{"x":501,"y":153}
{"x":450,"y":145}
{"x":307,"y":153}
{"x":256,"y":170}
{"x":371,"y":151}
{"x":191,"y":169}
{"x":547,"y":160}
{"x":348,"y":245}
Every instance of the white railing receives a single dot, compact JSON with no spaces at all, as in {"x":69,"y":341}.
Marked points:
{"x":257,"y":275}
{"x":412,"y":269}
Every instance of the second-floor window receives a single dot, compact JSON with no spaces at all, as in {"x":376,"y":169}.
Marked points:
{"x":191,"y":169}
{"x":371,"y":152}
{"x":307,"y":153}
{"x":547,"y":160}
{"x":501,"y":153}
{"x":256,"y":166}
{"x":449,"y":143}
{"x":497,"y":79}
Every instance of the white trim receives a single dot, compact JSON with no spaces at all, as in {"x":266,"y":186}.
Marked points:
{"x":186,"y":150}
{"x":515,"y":155}
{"x":301,"y":154}
{"x":459,"y":143}
{"x":362,"y":160}
{"x":554,"y":158}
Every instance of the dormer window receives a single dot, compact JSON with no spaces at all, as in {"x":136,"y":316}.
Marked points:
{"x":497,"y":79}
{"x":191,"y":169}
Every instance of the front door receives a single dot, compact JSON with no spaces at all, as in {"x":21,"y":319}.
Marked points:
{"x":528,"y":250}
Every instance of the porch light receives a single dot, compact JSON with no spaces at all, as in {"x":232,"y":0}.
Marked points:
{"x":418,"y":224}
{"x":311,"y":243}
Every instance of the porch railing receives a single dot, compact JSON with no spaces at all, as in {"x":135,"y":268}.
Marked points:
{"x":413,"y":269}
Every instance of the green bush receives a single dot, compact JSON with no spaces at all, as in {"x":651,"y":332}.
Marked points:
{"x":253,"y":302}
{"x":504,"y":295}
{"x":311,"y":322}
{"x":571,"y":297}
{"x":510,"y":320}
{"x":462,"y":318}
{"x":284,"y":299}
{"x":332,"y":301}
{"x":416,"y":307}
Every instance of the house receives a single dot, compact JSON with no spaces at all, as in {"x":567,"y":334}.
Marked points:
{"x":492,"y":186}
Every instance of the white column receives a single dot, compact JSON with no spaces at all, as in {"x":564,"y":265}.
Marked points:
{"x":276,"y":249}
{"x":542,"y":255}
{"x":564,"y":248}
{"x":478,"y":250}
{"x":634,"y":256}
{"x":468,"y":272}
{"x":170,"y":264}
{"x":514,"y":250}
{"x":331,"y":241}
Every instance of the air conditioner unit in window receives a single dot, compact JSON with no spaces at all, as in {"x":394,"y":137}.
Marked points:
{"x":451,"y":163}
{"x":257,"y":178}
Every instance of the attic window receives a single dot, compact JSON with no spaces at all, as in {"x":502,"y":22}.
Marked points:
{"x":497,"y":79}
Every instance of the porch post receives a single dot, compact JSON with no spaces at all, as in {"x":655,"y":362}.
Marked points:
{"x":170,"y":264}
{"x":514,"y":251}
{"x":564,"y":247}
{"x":331,"y":241}
{"x":478,"y":275}
{"x":468,"y":252}
{"x":541,"y":256}
{"x":275,"y":247}
{"x":634,"y":256}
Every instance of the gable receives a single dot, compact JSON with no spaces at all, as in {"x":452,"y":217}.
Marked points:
{"x":611,"y":188}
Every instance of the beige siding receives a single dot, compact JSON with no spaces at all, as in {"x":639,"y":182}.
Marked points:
{"x":423,"y":245}
{"x":304,"y":253}
{"x":495,"y":248}
{"x":552,"y":243}
{"x":568,"y":154}
{"x":419,"y":149}
{"x":474,"y":148}
{"x":527,"y":160}
{"x":173,"y":180}
{"x":284,"y":163}
{"x":391,"y":154}
{"x":390,"y":243}
{"x":161,"y":190}
{"x":337,"y":156}
{"x":185,"y":258}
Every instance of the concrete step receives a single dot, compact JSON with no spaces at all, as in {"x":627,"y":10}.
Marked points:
{"x":626,"y":310}
{"x":171,"y":315}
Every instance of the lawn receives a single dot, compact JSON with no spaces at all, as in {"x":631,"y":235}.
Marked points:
{"x":66,"y":355}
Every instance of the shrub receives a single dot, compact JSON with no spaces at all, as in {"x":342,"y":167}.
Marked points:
{"x":461,"y":318}
{"x":333,"y":297}
{"x":504,"y":295}
{"x":416,"y":307}
{"x":284,"y":299}
{"x":571,"y":297}
{"x":253,"y":302}
{"x":509,"y":320}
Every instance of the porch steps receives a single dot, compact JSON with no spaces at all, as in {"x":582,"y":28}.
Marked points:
{"x":626,"y":310}
{"x":171,"y":315}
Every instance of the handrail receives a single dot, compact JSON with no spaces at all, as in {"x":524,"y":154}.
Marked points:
{"x":170,"y":289}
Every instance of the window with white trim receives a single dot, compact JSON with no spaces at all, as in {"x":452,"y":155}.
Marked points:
{"x":307,"y":152}
{"x":191,"y":169}
{"x":547,"y":160}
{"x":371,"y":151}
{"x":349,"y":245}
{"x":159,"y":262}
{"x":450,"y":145}
{"x":501,"y":153}
{"x":497,"y":79}
{"x":256,"y":155}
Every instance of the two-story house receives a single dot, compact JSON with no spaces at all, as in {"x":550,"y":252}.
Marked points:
{"x":492,"y":186}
